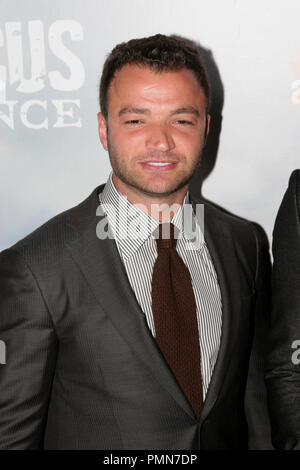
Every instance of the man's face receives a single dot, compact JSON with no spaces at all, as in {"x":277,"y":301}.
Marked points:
{"x":154,"y":118}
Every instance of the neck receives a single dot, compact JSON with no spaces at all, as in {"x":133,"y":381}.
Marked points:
{"x":161,"y":208}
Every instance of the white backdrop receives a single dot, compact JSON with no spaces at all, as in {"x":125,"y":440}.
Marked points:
{"x":51,"y":56}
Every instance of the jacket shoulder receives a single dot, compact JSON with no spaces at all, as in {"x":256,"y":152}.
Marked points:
{"x":294,"y":179}
{"x":249,"y":238}
{"x":294,"y":186}
{"x":241,"y":229}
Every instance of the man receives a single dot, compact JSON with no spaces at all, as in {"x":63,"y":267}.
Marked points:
{"x":283,"y":360}
{"x":118,"y":336}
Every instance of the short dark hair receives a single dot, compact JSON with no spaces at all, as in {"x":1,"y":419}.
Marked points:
{"x":160,"y":53}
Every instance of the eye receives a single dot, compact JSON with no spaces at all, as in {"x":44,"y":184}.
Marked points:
{"x":134,"y":121}
{"x":184,"y":122}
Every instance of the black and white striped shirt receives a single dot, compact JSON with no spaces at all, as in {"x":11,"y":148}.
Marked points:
{"x":133,"y":232}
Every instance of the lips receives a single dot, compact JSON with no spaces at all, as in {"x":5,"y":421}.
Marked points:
{"x":158,"y":165}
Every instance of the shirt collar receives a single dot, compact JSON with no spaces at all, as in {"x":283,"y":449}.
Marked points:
{"x":131,"y":226}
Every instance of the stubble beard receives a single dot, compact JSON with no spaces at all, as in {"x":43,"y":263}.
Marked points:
{"x":123,"y":174}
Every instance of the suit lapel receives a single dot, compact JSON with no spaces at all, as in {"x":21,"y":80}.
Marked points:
{"x":219,"y":241}
{"x":103,"y":269}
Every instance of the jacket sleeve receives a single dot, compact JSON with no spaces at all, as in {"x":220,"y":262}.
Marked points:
{"x":283,"y":361}
{"x":30,"y":342}
{"x":256,"y":406}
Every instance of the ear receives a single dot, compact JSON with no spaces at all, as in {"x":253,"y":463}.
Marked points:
{"x":207,"y":123}
{"x":102,"y":130}
{"x":206,"y":130}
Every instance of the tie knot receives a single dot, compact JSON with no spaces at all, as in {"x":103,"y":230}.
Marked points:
{"x":165,"y":236}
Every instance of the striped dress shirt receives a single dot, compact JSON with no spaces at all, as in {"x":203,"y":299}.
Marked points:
{"x":133,"y":231}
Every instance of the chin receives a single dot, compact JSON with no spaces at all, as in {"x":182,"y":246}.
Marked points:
{"x":160,"y":190}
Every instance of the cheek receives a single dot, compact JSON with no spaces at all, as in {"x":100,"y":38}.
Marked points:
{"x":124,"y":138}
{"x":131,"y":143}
{"x":188,"y":144}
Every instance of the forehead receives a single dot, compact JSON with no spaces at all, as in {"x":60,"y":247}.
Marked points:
{"x":133,"y":83}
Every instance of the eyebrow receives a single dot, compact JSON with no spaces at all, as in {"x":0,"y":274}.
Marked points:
{"x":132,"y":110}
{"x":186,"y":110}
{"x":183,"y":110}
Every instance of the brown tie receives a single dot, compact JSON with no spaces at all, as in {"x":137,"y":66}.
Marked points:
{"x":175,"y":320}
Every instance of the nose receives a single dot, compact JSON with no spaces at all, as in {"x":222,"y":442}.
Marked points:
{"x":159,"y":138}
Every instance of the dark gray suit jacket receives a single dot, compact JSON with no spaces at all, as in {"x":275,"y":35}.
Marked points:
{"x":83,"y":370}
{"x":282,"y":371}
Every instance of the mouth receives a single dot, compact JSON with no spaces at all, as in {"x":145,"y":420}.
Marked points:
{"x":158,"y":165}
